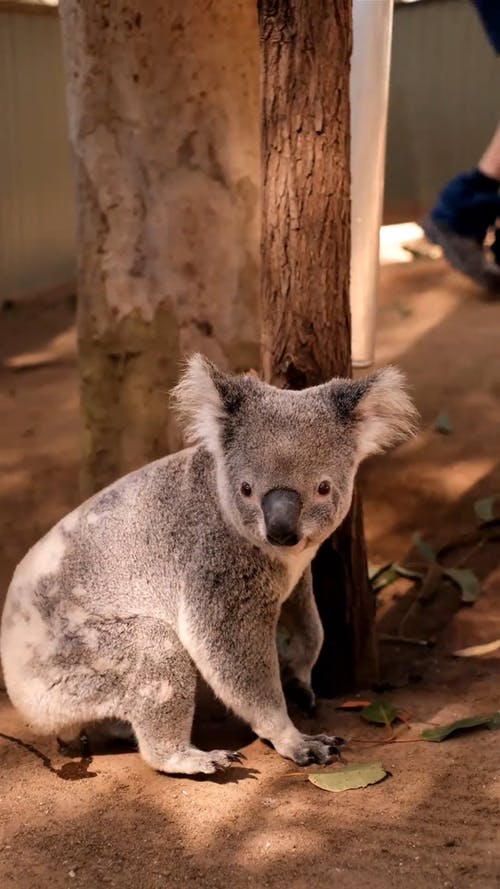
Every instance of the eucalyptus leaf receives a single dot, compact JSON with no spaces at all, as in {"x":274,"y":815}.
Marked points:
{"x":408,"y":572}
{"x":468,"y":582}
{"x":484,"y":509}
{"x":443,"y":423}
{"x":490,"y":720}
{"x":375,"y":570}
{"x":387,"y":574}
{"x":351,"y":777}
{"x":478,"y":650}
{"x":384,"y":578}
{"x":494,"y":723}
{"x":381,"y":712}
{"x":425,"y":549}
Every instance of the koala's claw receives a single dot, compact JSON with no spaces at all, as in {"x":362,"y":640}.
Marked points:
{"x":334,"y":741}
{"x":236,"y":756}
{"x":220,"y":760}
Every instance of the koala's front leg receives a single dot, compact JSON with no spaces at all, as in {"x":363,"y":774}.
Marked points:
{"x":234,"y":647}
{"x":300,"y":637}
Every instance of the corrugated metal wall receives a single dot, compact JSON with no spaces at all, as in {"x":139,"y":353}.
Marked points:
{"x":443,"y":105}
{"x":443,"y":109}
{"x":37,"y":205}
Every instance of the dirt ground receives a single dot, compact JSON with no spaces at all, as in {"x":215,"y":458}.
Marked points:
{"x":435,"y":821}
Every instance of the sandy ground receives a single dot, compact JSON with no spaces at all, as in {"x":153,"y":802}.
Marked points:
{"x":435,"y":820}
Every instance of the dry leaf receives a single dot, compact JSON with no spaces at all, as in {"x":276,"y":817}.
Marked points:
{"x":353,"y":705}
{"x":478,"y":650}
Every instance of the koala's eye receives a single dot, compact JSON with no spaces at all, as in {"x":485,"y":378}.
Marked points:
{"x":324,"y":488}
{"x":246,"y":489}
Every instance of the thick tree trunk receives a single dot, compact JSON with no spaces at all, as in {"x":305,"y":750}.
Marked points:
{"x":163,"y":109}
{"x":306,"y":47}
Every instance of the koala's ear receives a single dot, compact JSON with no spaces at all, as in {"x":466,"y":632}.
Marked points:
{"x":380,"y":407}
{"x":205,"y":398}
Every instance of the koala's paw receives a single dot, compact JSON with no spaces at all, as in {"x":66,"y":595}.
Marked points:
{"x":316,"y":749}
{"x":201,"y":762}
{"x":300,"y":696}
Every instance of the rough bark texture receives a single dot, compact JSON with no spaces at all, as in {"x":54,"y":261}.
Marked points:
{"x":163,"y":102}
{"x":306,"y":47}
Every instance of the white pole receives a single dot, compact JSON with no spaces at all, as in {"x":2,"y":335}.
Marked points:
{"x":372,"y":32}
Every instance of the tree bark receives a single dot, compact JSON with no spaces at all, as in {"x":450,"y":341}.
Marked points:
{"x":305,"y":62}
{"x":163,"y":102}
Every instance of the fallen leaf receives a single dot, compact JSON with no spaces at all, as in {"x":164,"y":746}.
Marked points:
{"x":383,"y":578}
{"x":443,"y":423}
{"x":353,"y":705}
{"x":490,"y":720}
{"x":387,"y":574}
{"x":484,"y":509}
{"x":381,"y":712}
{"x":478,"y":650}
{"x":408,"y":572}
{"x":375,"y":570}
{"x":468,"y":582}
{"x":425,"y":549}
{"x":351,"y":777}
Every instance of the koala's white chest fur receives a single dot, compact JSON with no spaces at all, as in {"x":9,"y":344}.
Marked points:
{"x":296,"y":564}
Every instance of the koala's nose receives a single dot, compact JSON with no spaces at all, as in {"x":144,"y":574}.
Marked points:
{"x":281,"y":508}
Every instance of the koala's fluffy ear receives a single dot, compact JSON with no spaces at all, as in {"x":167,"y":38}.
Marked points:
{"x":205,"y":398}
{"x":381,"y":408}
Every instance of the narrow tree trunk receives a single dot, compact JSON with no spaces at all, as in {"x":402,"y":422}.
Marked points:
{"x":163,"y":110}
{"x":306,"y":47}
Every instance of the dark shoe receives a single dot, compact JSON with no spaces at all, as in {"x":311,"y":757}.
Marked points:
{"x":464,"y":253}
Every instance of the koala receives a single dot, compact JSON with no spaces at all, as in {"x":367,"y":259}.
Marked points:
{"x":187,"y":564}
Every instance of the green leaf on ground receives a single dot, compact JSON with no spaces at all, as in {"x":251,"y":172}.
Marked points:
{"x":468,"y":582}
{"x":443,"y":423}
{"x":408,"y":572}
{"x":351,"y":777}
{"x":425,"y":549}
{"x":387,"y":574}
{"x":375,"y":570}
{"x":484,"y":509}
{"x":381,"y":712}
{"x":383,"y":578}
{"x":490,"y":720}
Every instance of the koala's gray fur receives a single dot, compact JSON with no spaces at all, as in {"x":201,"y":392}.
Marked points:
{"x":170,"y":570}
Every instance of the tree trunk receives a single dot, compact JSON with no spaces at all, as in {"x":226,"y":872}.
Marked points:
{"x":163,"y":102}
{"x":305,"y":55}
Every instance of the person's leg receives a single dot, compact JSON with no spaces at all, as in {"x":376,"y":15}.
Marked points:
{"x":489,"y":164}
{"x":469,"y":205}
{"x":466,"y":209}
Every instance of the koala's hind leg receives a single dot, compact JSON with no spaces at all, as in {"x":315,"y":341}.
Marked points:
{"x":300,"y":637}
{"x":162,"y":705}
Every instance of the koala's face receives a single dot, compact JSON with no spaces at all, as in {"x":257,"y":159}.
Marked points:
{"x":286,"y":461}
